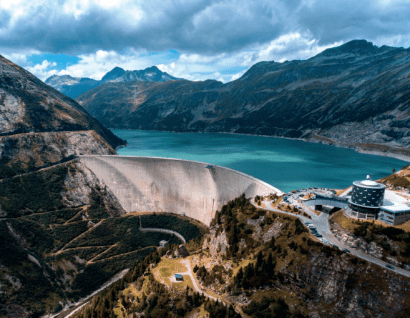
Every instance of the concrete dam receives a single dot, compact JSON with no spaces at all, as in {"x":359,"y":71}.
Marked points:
{"x":191,"y":188}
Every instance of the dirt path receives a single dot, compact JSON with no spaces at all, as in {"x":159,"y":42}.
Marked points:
{"x":187,"y":263}
{"x":103,"y":252}
{"x":82,"y":234}
{"x":82,"y":210}
{"x":111,"y":257}
{"x":82,"y":302}
{"x":40,"y":213}
{"x":41,"y":169}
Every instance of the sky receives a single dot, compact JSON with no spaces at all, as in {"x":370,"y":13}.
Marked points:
{"x":191,"y":39}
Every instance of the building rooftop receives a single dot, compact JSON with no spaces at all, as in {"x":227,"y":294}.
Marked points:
{"x":395,"y":203}
{"x":369,"y":184}
{"x":178,"y":276}
{"x":399,"y":208}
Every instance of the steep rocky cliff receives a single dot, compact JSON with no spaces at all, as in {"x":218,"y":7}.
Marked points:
{"x":40,"y":126}
{"x":356,"y":95}
{"x":47,"y":198}
{"x":75,"y":86}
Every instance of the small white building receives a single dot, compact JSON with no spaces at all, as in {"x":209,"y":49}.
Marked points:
{"x":163,"y":243}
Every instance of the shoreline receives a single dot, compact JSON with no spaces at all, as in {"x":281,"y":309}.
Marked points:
{"x":356,"y":148}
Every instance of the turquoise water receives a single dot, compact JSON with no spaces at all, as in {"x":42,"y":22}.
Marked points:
{"x":283,"y":163}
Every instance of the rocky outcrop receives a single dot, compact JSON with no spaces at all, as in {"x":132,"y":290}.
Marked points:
{"x":48,"y":199}
{"x":360,"y":243}
{"x":348,"y":289}
{"x":80,"y":182}
{"x":272,"y":231}
{"x":217,"y":244}
{"x":355,"y":95}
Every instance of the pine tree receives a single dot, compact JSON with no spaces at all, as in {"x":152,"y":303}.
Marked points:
{"x":238,"y":278}
{"x":259,"y":260}
{"x":270,"y":264}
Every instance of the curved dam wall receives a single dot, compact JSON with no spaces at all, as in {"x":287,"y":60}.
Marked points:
{"x":145,"y":184}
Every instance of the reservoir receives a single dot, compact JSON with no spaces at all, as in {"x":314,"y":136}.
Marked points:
{"x":284,"y":163}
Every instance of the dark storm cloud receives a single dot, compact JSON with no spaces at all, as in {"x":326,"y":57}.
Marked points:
{"x":344,"y":20}
{"x":202,"y":26}
{"x":198,"y":26}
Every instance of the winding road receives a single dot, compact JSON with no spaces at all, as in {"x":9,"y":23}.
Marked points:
{"x":322,"y":225}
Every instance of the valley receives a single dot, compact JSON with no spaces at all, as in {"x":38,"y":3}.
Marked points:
{"x":87,"y":233}
{"x":354,"y":96}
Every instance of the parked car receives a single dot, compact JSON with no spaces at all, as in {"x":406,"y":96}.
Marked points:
{"x":389,"y":266}
{"x":318,"y":235}
{"x":345,"y":250}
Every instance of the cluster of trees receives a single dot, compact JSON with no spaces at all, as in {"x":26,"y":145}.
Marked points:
{"x":33,"y":193}
{"x":219,"y":310}
{"x":154,"y":300}
{"x":255,"y":274}
{"x":271,"y":307}
{"x":9,"y":169}
{"x":227,"y":220}
{"x":216,"y":274}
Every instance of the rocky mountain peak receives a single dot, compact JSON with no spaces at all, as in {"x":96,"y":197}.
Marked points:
{"x":75,"y":86}
{"x":113,"y":74}
{"x":355,"y":47}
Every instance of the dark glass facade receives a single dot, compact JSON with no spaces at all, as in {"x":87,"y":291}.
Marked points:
{"x":367,"y":196}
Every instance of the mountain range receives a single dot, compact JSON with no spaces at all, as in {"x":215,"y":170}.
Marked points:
{"x":64,"y":234}
{"x":356,"y":95}
{"x":75,"y":86}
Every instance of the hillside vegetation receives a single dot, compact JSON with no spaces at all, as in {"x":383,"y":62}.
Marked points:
{"x":259,"y":264}
{"x":63,"y":235}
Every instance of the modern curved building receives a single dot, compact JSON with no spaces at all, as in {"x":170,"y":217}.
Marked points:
{"x":367,"y":198}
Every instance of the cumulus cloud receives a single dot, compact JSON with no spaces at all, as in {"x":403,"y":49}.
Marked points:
{"x":231,"y":66}
{"x":199,"y":26}
{"x":217,"y":39}
{"x":43,"y":70}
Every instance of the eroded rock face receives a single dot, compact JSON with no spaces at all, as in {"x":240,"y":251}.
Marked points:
{"x":273,"y":231}
{"x":79,"y":184}
{"x":341,"y":284}
{"x":11,"y":111}
{"x":217,"y":244}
